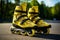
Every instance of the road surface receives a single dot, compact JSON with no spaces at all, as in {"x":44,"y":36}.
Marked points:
{"x":5,"y":33}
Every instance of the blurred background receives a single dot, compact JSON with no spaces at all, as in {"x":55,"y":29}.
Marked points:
{"x":49,"y":9}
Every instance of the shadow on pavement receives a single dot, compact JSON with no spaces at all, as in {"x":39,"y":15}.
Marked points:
{"x":49,"y":36}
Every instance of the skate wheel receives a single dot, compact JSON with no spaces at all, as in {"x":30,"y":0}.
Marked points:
{"x":12,"y":31}
{"x":41,"y":32}
{"x":48,"y":31}
{"x":31,"y":32}
{"x":18,"y":32}
{"x":23,"y":33}
{"x":45,"y":31}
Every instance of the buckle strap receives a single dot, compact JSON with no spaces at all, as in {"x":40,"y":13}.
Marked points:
{"x":21,"y":17}
{"x":23,"y":21}
{"x":34,"y":17}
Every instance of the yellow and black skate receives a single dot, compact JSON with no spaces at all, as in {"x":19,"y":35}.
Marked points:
{"x":33,"y":14}
{"x":21,"y":23}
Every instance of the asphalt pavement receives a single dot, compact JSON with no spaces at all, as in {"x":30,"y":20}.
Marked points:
{"x":5,"y":33}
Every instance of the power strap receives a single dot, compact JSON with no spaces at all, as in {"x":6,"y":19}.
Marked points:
{"x":23,"y":21}
{"x":34,"y":17}
{"x":21,"y":17}
{"x":20,"y":11}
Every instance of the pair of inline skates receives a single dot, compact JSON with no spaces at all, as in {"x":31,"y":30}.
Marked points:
{"x":28,"y":22}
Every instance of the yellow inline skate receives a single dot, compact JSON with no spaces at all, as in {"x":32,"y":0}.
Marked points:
{"x":43,"y":27}
{"x":21,"y":24}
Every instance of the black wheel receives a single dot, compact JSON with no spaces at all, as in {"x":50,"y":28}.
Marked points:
{"x":45,"y":31}
{"x":12,"y":31}
{"x":31,"y":32}
{"x":48,"y":31}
